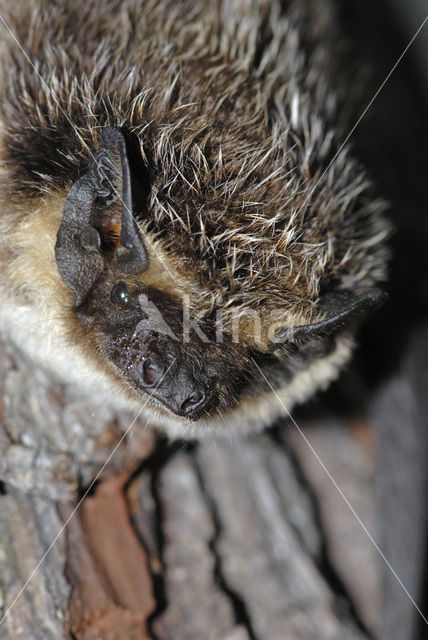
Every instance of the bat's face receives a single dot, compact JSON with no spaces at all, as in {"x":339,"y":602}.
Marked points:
{"x":144,"y":332}
{"x":140,"y":330}
{"x":137,"y":327}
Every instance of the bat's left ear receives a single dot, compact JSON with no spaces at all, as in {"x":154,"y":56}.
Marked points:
{"x":339,"y":310}
{"x":98,"y":227}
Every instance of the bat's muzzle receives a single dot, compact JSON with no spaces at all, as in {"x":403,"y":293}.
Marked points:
{"x":161,"y":371}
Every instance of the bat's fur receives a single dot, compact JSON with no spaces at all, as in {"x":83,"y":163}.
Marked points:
{"x":231,"y":117}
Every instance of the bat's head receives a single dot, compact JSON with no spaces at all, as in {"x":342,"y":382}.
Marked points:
{"x":136,"y":326}
{"x":146,"y":331}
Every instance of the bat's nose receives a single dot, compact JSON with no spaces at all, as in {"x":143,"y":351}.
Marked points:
{"x":151,"y":372}
{"x":182,"y":395}
{"x":161,"y":372}
{"x":192,"y":404}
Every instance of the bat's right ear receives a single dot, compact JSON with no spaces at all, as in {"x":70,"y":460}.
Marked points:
{"x":92,"y":235}
{"x":338,"y":308}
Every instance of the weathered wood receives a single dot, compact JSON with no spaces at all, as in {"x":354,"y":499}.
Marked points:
{"x":197,"y":605}
{"x":263,"y":556}
{"x":226,"y":540}
{"x":401,"y":417}
{"x":350,"y":549}
{"x":28,"y":524}
{"x":107,"y":568}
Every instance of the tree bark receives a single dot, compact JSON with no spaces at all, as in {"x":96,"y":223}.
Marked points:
{"x":228,"y":539}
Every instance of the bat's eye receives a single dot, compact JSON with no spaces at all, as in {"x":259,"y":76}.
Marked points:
{"x":119,"y":294}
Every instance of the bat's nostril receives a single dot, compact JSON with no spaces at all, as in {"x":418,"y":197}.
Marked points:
{"x":150,"y":373}
{"x":192,"y":402}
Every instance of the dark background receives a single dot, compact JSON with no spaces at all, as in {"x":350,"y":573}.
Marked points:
{"x":390,"y":373}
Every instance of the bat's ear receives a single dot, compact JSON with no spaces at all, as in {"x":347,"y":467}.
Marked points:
{"x":339,"y":309}
{"x":98,"y":228}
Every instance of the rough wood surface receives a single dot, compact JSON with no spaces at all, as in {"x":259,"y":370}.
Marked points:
{"x":231,"y":539}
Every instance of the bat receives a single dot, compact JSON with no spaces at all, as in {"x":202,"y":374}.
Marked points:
{"x":180,"y":225}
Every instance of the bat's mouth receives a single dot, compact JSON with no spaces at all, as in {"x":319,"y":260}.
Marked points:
{"x":191,"y":405}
